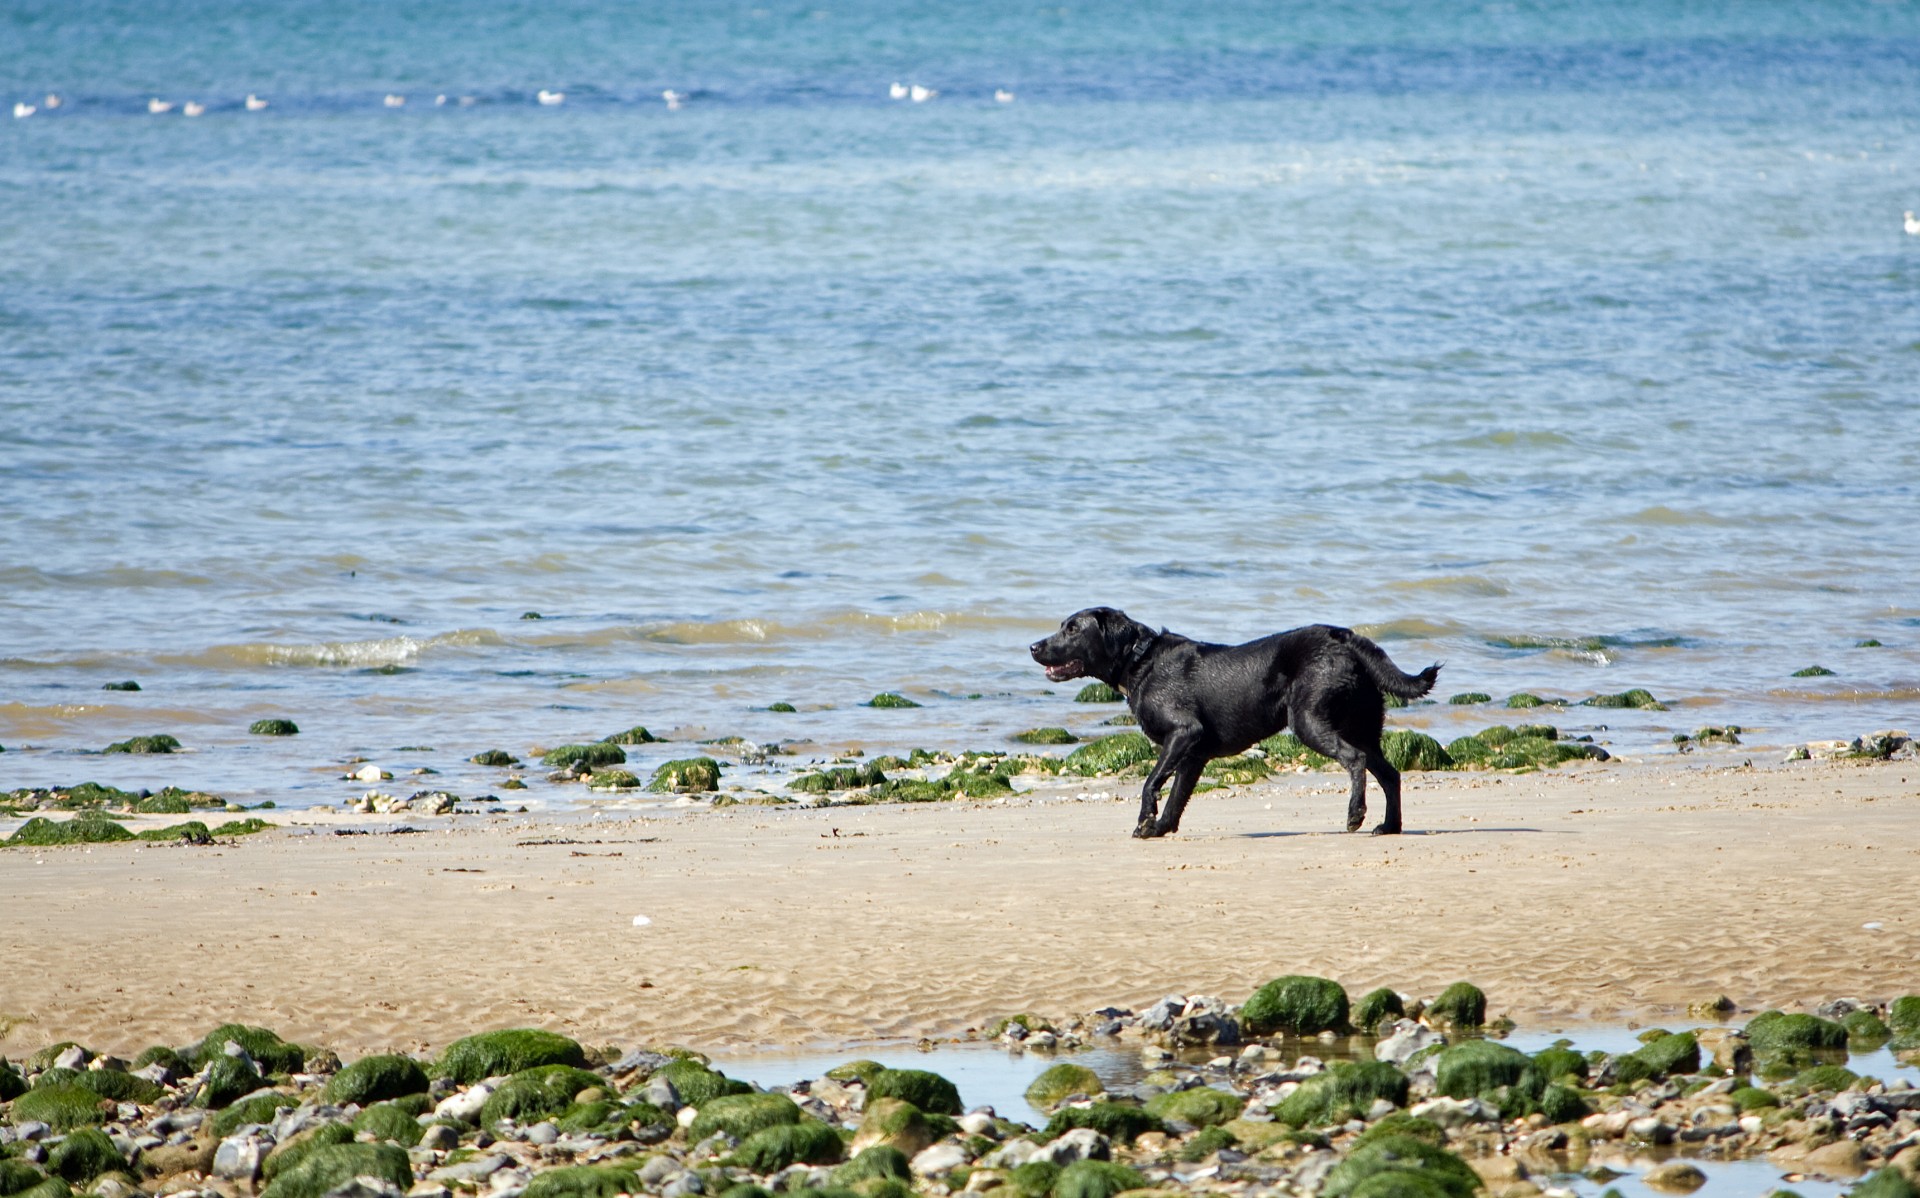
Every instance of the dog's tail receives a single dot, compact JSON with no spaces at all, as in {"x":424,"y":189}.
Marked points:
{"x":1387,"y":676}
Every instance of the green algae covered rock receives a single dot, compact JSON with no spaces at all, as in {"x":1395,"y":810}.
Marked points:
{"x":1298,"y":1005}
{"x":1096,"y":1179}
{"x":1400,"y":1123}
{"x":1098,"y":692}
{"x":52,"y":1187}
{"x":879,"y":1161}
{"x":592,"y":756}
{"x":273,"y":728}
{"x":901,"y":1124}
{"x":864,"y":1070}
{"x":783,"y":708}
{"x":193,"y":831}
{"x":389,"y":1121}
{"x":889,"y":699}
{"x":584,"y":1181}
{"x":1408,"y":750}
{"x":62,"y":1106}
{"x":1826,"y":1078}
{"x":334,"y":1164}
{"x":17,"y":1177}
{"x":1237,"y":771}
{"x":1635,"y":698}
{"x":1063,"y":1081}
{"x":376,"y":1078}
{"x":772,"y":1149}
{"x":1555,"y":1063}
{"x":497,"y":757}
{"x":265,"y":1046}
{"x":698,"y":1085}
{"x":494,"y":1054}
{"x":928,"y":1091}
{"x":242,"y":827}
{"x":144,"y":744}
{"x":840,"y":777}
{"x":1887,"y":1183}
{"x":1772,"y":1031}
{"x":740,"y":1115}
{"x":1202,"y":1106}
{"x":1376,"y":1007}
{"x":107,"y":1083}
{"x":1865,"y":1031}
{"x":1346,"y":1091}
{"x":535,"y":1094}
{"x":687,"y":776}
{"x":1462,"y":1004}
{"x":84,"y":1155}
{"x":1468,"y":698}
{"x":1370,"y":1171}
{"x":1034,"y":1179}
{"x":1562,"y":1104}
{"x":12,"y":1085}
{"x":613,"y":780}
{"x":1659,"y":1057}
{"x":1284,"y":748}
{"x":291,"y":1152}
{"x":1472,"y":1068}
{"x":1525,"y":700}
{"x":1046,"y":736}
{"x":1813,"y":672}
{"x":1117,"y":1121}
{"x":227,"y":1080}
{"x":87,"y":828}
{"x":1109,"y":755}
{"x":1903,"y":1020}
{"x":258,"y":1109}
{"x":635,"y":735}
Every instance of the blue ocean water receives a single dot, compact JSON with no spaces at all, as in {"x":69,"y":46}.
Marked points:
{"x":1576,"y":345}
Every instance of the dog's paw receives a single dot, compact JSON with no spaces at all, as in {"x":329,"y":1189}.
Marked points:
{"x":1383,"y":830}
{"x":1353,"y":824}
{"x":1146,"y":829}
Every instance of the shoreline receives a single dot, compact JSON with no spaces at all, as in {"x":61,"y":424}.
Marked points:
{"x":1590,"y":895}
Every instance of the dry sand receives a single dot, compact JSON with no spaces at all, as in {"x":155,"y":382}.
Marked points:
{"x":1593,"y":894}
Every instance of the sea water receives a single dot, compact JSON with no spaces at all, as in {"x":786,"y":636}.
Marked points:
{"x":1574,"y":345}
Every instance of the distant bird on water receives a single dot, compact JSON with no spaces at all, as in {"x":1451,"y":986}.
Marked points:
{"x":1002,"y":95}
{"x":193,"y":108}
{"x":22,"y":110}
{"x":255,"y":103}
{"x":550,"y":99}
{"x":395,"y":101}
{"x":897,"y":92}
{"x":922,"y":94}
{"x":1913,"y":226}
{"x":673,"y":98}
{"x":51,"y":102}
{"x":159,"y":107}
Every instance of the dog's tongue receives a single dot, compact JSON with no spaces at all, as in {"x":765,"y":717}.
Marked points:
{"x":1060,"y":673}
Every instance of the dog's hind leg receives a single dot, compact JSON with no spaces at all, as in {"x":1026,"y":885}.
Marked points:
{"x":1381,"y":768}
{"x":1328,"y":743}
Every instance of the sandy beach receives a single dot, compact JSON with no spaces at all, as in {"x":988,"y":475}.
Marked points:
{"x":1593,"y":894}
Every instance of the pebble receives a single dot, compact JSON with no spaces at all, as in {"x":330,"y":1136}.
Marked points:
{"x":1675,"y":1175}
{"x":941,"y":1158}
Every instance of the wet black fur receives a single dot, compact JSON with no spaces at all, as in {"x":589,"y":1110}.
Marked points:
{"x":1198,"y":701}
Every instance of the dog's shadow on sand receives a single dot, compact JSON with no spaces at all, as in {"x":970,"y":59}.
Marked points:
{"x":1406,"y":834}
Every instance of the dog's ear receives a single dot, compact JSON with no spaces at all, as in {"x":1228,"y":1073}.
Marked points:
{"x":1118,"y":632}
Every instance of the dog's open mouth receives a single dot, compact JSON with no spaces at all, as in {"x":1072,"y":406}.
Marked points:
{"x":1066,"y":670}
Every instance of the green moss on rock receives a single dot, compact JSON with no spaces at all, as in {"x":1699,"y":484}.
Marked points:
{"x":389,"y":1121}
{"x":335,"y":1164}
{"x":889,"y":699}
{"x":377,"y":1078}
{"x":12,"y":1085}
{"x":1063,"y":1081}
{"x":161,"y":743}
{"x":87,"y":828}
{"x":1109,"y":755}
{"x":1118,"y":1122}
{"x":535,"y":1094}
{"x":879,"y":1161}
{"x":926,"y":1090}
{"x":1555,"y":1063}
{"x":494,"y":1054}
{"x":1472,"y":1068}
{"x":258,"y":1109}
{"x":1346,"y":1091}
{"x":1865,"y":1030}
{"x":1887,"y":1183}
{"x":583,"y":1181}
{"x":740,"y":1115}
{"x":227,"y":1080}
{"x":495,"y":757}
{"x":17,"y":1177}
{"x":613,"y":780}
{"x":265,"y":1046}
{"x":291,"y":1152}
{"x":1635,"y":698}
{"x":1237,"y":771}
{"x":84,"y":1155}
{"x":783,"y":708}
{"x":772,"y":1149}
{"x":1660,"y":1057}
{"x":1098,"y":692}
{"x":1409,"y":750}
{"x":1401,"y":1167}
{"x":1772,"y":1031}
{"x":1563,"y":1104}
{"x":193,"y":830}
{"x":862,"y":1070}
{"x":635,"y":735}
{"x":598,"y":753}
{"x":1046,"y":736}
{"x":840,"y":777}
{"x":1376,"y":1007}
{"x":1467,"y":698}
{"x":687,"y":776}
{"x":1526,"y":699}
{"x":1297,"y":1004}
{"x":1202,"y":1106}
{"x":1096,"y":1179}
{"x":1462,"y":1004}
{"x":1813,"y":672}
{"x":243,"y":827}
{"x":63,"y":1107}
{"x":1034,"y":1179}
{"x":273,"y":727}
{"x":698,"y":1085}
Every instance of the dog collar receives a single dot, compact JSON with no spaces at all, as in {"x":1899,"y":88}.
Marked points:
{"x":1140,"y":649}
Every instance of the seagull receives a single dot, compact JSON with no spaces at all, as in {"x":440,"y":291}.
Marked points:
{"x":1913,"y":226}
{"x":440,"y":100}
{"x":22,"y":110}
{"x":898,"y":91}
{"x":395,"y":101}
{"x":255,"y":103}
{"x":922,"y":94}
{"x":51,"y":102}
{"x":194,"y":108}
{"x":551,"y":98}
{"x":158,"y":106}
{"x":673,"y":98}
{"x":1003,"y":95}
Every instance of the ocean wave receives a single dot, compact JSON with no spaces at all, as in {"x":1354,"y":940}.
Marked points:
{"x":384,"y":651}
{"x":1412,"y":628}
{"x":1472,"y":585}
{"x":27,"y":577}
{"x":1897,"y":694}
{"x":742,"y":631}
{"x":1662,"y":516}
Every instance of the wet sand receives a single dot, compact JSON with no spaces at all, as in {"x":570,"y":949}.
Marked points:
{"x":1592,"y":894}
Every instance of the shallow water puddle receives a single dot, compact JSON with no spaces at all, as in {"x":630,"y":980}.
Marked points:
{"x":1725,"y":1179}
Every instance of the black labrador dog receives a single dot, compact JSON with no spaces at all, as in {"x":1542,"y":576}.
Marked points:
{"x":1198,"y":701}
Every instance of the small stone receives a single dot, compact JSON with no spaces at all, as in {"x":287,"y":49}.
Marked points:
{"x":1405,"y":1038}
{"x":366,"y":1187}
{"x":370,"y":773}
{"x":440,"y":1138}
{"x":1080,"y":1144}
{"x":1455,"y":1112}
{"x":238,"y":1158}
{"x":464,"y":1107}
{"x":1679,"y":1176}
{"x":941,"y":1159}
{"x":472,"y":1170}
{"x":1651,"y":1129}
{"x":543,"y":1133}
{"x":976,"y":1123}
{"x":1841,"y":1156}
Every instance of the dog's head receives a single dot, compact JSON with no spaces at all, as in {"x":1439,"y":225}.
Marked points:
{"x":1098,"y":641}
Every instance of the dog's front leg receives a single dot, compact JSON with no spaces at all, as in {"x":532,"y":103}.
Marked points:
{"x":1150,"y":797}
{"x":1184,"y":780}
{"x":1175,"y":756}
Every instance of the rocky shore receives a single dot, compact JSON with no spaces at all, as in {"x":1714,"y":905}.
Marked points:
{"x":1297,"y":1091}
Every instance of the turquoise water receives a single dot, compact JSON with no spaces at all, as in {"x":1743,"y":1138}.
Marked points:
{"x":1574,"y":345}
